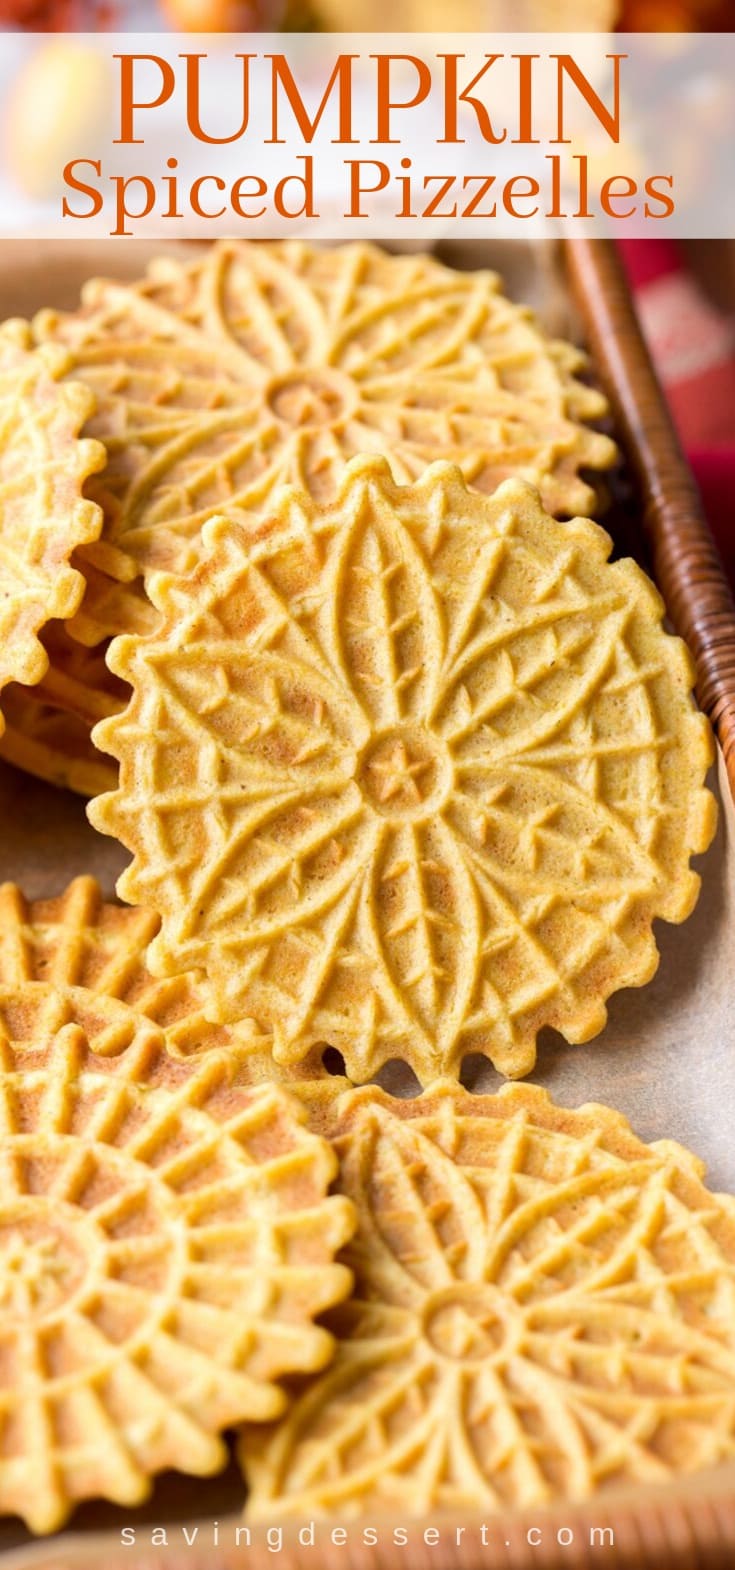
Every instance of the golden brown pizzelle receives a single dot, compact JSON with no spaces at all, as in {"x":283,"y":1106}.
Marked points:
{"x":79,"y":959}
{"x":44,"y":464}
{"x":218,"y":379}
{"x":544,"y":1307}
{"x":411,"y":774}
{"x":48,"y":727}
{"x":166,"y":1244}
{"x":52,"y":744}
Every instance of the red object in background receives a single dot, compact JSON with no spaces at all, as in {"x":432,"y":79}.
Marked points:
{"x":57,"y":16}
{"x":676,"y":16}
{"x":693,"y":347}
{"x":714,"y":471}
{"x":39,"y":15}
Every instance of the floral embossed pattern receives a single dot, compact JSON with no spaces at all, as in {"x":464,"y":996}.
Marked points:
{"x":543,"y":1306}
{"x":252,"y":366}
{"x":411,"y":775}
{"x":166,"y":1242}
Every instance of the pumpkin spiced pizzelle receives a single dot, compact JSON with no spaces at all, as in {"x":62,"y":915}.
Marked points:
{"x":78,"y":959}
{"x":219,"y":378}
{"x":410,"y":775}
{"x":167,"y":1242}
{"x":44,"y":465}
{"x":544,"y":1306}
{"x":48,"y":727}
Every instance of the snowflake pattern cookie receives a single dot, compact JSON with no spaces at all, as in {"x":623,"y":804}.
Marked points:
{"x":544,"y":1306}
{"x":255,"y":365}
{"x":166,"y":1243}
{"x":411,"y":775}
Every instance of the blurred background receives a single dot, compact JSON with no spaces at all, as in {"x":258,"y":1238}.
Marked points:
{"x":370,"y":15}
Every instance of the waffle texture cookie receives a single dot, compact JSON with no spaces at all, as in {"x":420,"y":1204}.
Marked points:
{"x":257,"y":364}
{"x":78,"y":959}
{"x":410,"y":775}
{"x":544,"y":1306}
{"x":166,"y":1241}
{"x":43,"y":467}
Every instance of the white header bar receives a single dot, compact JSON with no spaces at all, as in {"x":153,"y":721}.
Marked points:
{"x":340,"y":135}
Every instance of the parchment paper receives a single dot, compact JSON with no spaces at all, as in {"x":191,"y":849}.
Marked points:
{"x":667,"y":1056}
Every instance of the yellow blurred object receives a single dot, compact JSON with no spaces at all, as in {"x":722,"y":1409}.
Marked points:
{"x":58,"y":107}
{"x":428,"y":16}
{"x":220,"y":16}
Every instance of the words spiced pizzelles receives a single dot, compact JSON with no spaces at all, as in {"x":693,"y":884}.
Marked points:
{"x":358,"y":129}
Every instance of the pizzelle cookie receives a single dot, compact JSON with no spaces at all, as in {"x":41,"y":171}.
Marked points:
{"x":80,"y":960}
{"x":253,"y":365}
{"x":410,"y":775}
{"x":78,"y":681}
{"x":52,"y":744}
{"x":543,"y":1307}
{"x":166,"y":1242}
{"x":43,"y":467}
{"x":48,"y":727}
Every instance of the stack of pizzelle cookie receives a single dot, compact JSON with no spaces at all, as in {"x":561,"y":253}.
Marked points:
{"x":407,"y":770}
{"x":256,"y":365}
